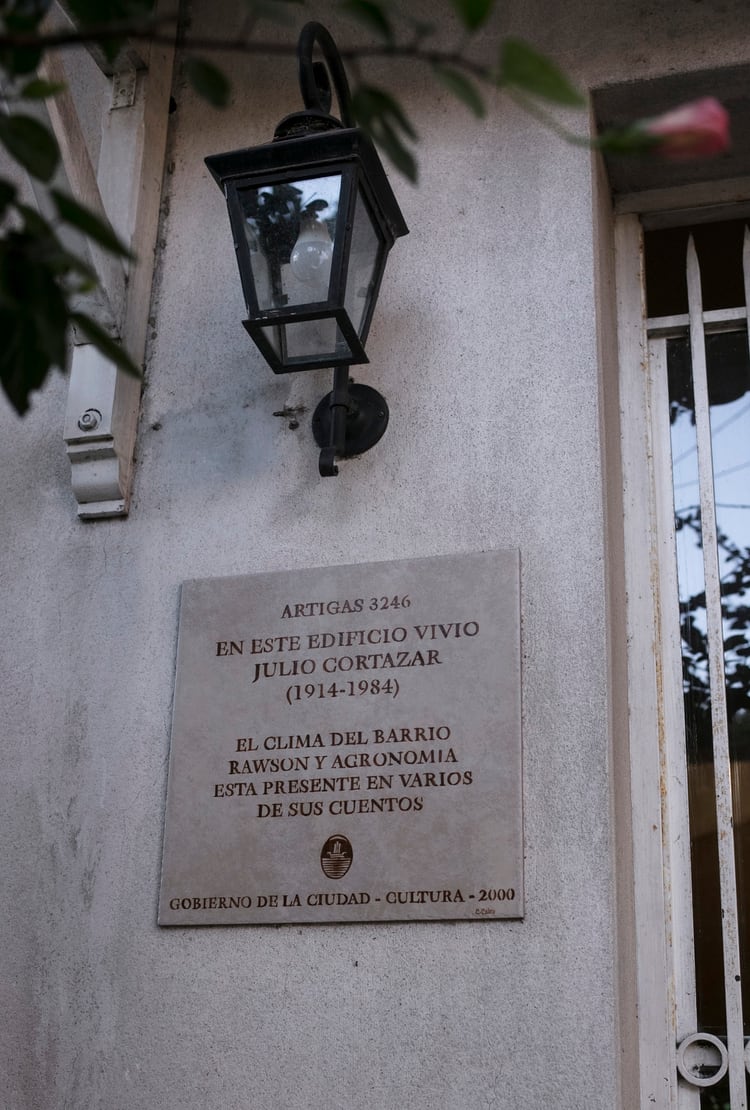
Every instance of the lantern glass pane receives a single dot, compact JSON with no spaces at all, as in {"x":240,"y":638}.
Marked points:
{"x":311,"y":339}
{"x":290,"y":229}
{"x":273,"y":337}
{"x":363,"y":258}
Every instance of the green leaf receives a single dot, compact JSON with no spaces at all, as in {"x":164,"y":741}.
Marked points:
{"x":462,"y":88}
{"x":399,"y":154}
{"x":100,"y":13}
{"x":18,"y":271}
{"x":37,"y":89}
{"x":208,"y":81}
{"x":523,"y":67}
{"x":89,"y":223}
{"x":50,"y":319}
{"x":23,"y":367}
{"x":33,"y":314}
{"x":108,"y":346}
{"x":370,"y":103}
{"x":35,"y":223}
{"x":384,"y":119}
{"x":48,"y":249}
{"x":31,"y":144}
{"x":66,"y":263}
{"x":7,"y":195}
{"x":473,"y":12}
{"x":19,"y":60}
{"x":24,"y":15}
{"x":88,"y":280}
{"x":371,"y":15}
{"x":29,"y":286}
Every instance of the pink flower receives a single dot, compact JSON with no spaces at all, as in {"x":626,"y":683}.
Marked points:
{"x":698,"y":129}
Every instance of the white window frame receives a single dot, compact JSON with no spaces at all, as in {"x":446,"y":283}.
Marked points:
{"x":664,"y":971}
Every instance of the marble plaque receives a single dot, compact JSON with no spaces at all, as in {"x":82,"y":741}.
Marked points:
{"x":346,"y":746}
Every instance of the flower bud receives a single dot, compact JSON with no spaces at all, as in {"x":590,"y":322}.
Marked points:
{"x":698,"y":129}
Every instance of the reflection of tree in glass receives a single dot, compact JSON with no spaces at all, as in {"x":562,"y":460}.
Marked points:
{"x":735,"y":611}
{"x":275,"y":216}
{"x":727,"y":360}
{"x":728,"y":382}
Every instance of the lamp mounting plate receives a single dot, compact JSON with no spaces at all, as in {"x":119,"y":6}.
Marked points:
{"x":366,"y":420}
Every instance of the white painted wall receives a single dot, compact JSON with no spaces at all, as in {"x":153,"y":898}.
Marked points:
{"x":485,"y":345}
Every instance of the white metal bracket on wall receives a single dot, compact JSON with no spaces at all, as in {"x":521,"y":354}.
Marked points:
{"x":100,"y":476}
{"x":103,"y":402}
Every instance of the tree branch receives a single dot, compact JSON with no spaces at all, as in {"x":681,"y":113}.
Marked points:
{"x":99,"y":33}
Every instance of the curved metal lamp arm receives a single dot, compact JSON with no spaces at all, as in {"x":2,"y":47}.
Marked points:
{"x":314,"y":80}
{"x":348,"y":421}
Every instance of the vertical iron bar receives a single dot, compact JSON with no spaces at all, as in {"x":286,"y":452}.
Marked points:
{"x":720,"y":730}
{"x":672,"y":740}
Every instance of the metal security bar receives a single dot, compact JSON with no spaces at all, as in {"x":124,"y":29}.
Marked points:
{"x":722,"y":765}
{"x":674,"y":795}
{"x":703,"y":1058}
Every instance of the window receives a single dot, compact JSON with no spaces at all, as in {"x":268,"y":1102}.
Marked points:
{"x":686,"y":454}
{"x":697,"y":327}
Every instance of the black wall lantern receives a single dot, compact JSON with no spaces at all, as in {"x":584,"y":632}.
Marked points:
{"x":313,"y":218}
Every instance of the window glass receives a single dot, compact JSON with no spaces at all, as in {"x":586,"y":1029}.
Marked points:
{"x":719,"y":248}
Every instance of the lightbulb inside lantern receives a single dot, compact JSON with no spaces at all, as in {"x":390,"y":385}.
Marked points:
{"x":311,"y":256}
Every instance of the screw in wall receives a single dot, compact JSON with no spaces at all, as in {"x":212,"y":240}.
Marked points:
{"x":89,"y":420}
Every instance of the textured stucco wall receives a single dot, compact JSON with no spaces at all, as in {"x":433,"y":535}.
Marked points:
{"x":485,"y":345}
